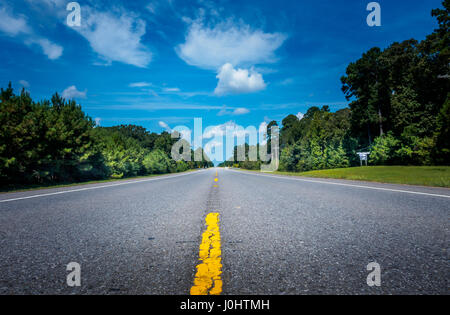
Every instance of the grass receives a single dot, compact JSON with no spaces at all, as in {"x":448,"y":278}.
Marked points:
{"x":434,"y":176}
{"x":13,"y":188}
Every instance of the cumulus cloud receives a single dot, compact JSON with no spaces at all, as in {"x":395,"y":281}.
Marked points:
{"x":226,"y":42}
{"x":116,"y":36}
{"x":71,"y":92}
{"x":237,"y":81}
{"x":218,"y":130}
{"x":221,"y":130}
{"x":300,"y":115}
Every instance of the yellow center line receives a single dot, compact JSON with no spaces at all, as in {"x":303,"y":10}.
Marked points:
{"x":208,"y":277}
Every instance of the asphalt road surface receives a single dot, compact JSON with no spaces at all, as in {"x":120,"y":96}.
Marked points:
{"x":278,"y":235}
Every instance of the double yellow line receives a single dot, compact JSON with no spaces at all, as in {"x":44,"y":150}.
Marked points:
{"x":208,"y":277}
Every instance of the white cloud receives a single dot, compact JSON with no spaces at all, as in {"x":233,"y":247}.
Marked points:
{"x":140,"y":84}
{"x":237,"y":81}
{"x":300,"y":115}
{"x":13,"y":26}
{"x":116,"y":36}
{"x":98,"y":121}
{"x":24,"y":83}
{"x":171,"y":90}
{"x":263,"y":127}
{"x":226,"y":42}
{"x":236,"y":112}
{"x":52,"y":50}
{"x":18,"y":26}
{"x":164,"y":125}
{"x":241,"y":111}
{"x":72,"y":92}
{"x":219,"y":130}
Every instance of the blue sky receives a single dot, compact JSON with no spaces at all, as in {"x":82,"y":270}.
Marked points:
{"x":161,"y":63}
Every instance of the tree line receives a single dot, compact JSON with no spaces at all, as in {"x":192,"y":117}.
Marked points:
{"x":399,"y":110}
{"x":54,"y":141}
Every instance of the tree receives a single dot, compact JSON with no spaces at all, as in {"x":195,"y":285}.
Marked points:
{"x":439,"y":41}
{"x":55,"y":141}
{"x":290,"y":130}
{"x":319,"y":142}
{"x":44,"y":142}
{"x":367,"y":83}
{"x":145,"y":138}
{"x":157,"y":162}
{"x":442,"y":149}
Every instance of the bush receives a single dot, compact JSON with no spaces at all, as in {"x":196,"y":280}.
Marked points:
{"x":336,"y":157}
{"x":383,"y":150}
{"x":157,"y":162}
{"x":182,"y":166}
{"x":441,"y":151}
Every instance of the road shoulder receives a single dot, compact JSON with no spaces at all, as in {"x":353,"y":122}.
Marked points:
{"x":421,"y":190}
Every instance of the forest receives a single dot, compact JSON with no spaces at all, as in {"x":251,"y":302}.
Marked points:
{"x":399,"y":111}
{"x":51,"y":142}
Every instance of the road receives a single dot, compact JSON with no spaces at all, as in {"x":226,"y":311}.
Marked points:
{"x":278,"y":235}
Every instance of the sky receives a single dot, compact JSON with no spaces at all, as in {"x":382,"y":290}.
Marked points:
{"x":162,"y":63}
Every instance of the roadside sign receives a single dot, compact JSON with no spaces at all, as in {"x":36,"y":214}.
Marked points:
{"x":363,"y":156}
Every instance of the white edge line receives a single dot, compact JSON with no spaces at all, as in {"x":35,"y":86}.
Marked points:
{"x":97,"y":187}
{"x":342,"y":184}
